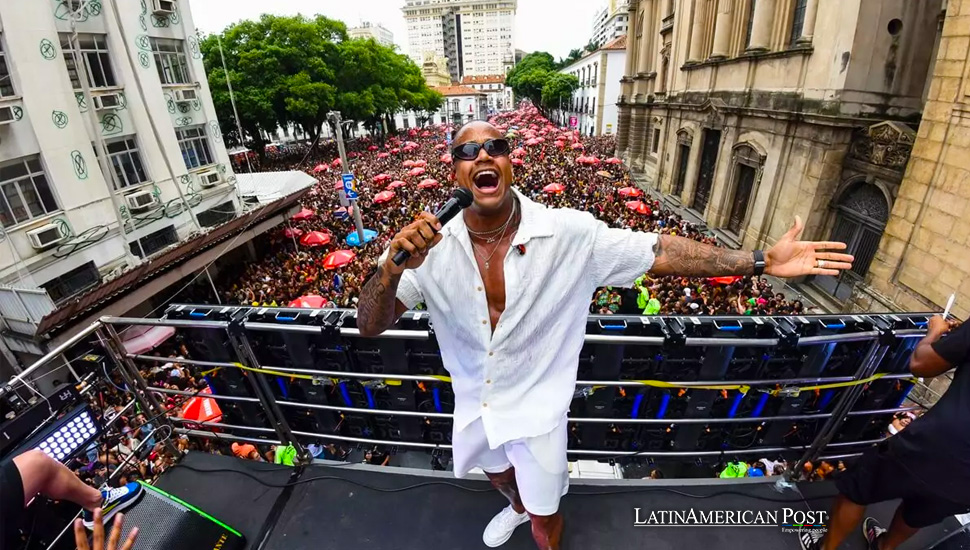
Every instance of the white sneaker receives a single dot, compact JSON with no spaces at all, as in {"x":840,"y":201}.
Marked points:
{"x":500,"y":529}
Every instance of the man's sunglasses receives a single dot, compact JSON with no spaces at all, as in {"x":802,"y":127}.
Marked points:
{"x":498,"y":147}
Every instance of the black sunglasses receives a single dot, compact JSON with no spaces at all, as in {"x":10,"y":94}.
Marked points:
{"x":498,"y":147}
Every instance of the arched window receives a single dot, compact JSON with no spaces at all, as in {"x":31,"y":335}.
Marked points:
{"x":861,"y":215}
{"x":684,"y":139}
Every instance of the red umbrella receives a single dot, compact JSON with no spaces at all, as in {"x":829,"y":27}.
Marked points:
{"x":202,"y":408}
{"x":291,"y":232}
{"x":315,"y":238}
{"x":532,"y":141}
{"x":420,"y":163}
{"x":425,"y":134}
{"x":554,"y":188}
{"x":383,"y":196}
{"x":395,"y":150}
{"x":418,"y":171}
{"x":383,"y":155}
{"x":336,"y":162}
{"x":372,"y":148}
{"x":730,"y":280}
{"x":408,"y":163}
{"x":320,"y":168}
{"x":304,"y":213}
{"x":381,"y":178}
{"x":577,"y":145}
{"x":518,"y":152}
{"x":446,"y":158}
{"x":311,"y":301}
{"x":593,"y":160}
{"x":517,"y":162}
{"x":344,"y":212}
{"x":639,"y":207}
{"x":629,"y":192}
{"x":339,"y":258}
{"x":428,"y":184}
{"x":440,"y":146}
{"x":560,"y":143}
{"x":396,"y":183}
{"x":410,"y":144}
{"x":613,"y":160}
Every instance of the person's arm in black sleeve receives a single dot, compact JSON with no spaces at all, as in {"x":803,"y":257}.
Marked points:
{"x":934,"y":356}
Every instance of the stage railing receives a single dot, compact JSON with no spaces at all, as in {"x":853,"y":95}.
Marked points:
{"x":675,"y":390}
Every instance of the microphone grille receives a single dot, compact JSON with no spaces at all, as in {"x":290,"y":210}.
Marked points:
{"x":463,"y":196}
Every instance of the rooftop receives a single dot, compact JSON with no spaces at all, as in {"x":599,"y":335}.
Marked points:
{"x":618,"y":43}
{"x":484,"y":79}
{"x":455,"y":90}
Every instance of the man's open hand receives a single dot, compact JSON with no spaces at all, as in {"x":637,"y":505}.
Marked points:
{"x":793,"y":258}
{"x":81,"y":534}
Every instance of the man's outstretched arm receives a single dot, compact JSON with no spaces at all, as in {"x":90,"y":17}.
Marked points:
{"x":788,"y":258}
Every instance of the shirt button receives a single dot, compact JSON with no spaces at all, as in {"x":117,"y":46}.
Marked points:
{"x":489,"y":381}
{"x":479,"y":289}
{"x":484,"y":322}
{"x":491,"y":354}
{"x":485,"y":404}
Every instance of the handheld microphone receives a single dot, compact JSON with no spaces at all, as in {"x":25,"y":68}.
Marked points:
{"x":462,"y":198}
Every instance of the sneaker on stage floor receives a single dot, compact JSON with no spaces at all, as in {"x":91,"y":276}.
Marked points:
{"x":872,"y":531}
{"x":500,"y":529}
{"x":114,"y":501}
{"x":810,"y":539}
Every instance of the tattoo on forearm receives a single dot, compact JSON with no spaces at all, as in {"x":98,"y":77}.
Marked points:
{"x":689,"y":258}
{"x":375,"y":310}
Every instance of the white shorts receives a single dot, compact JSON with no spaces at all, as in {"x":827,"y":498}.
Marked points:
{"x":541,"y":471}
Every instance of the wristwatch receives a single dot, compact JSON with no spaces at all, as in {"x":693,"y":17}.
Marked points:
{"x":759,"y":262}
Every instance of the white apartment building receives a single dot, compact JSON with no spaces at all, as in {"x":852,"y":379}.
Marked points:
{"x":592,"y":109}
{"x":612,"y":21}
{"x":477,"y":36}
{"x":110,"y":150}
{"x":375,"y":31}
{"x":498,"y":96}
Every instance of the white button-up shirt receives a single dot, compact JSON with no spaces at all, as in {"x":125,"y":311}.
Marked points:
{"x":520,"y":380}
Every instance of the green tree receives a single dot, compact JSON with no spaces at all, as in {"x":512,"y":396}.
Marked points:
{"x":558,"y":90}
{"x":574,"y":55}
{"x":529,"y":76}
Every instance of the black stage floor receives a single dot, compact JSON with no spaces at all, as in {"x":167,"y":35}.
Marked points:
{"x":356,"y":506}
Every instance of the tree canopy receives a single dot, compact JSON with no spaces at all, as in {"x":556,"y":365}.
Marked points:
{"x":538,"y":79}
{"x":295,"y":69}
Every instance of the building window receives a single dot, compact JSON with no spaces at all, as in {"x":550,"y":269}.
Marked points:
{"x":94,"y":49}
{"x":655,"y":146}
{"x":170,"y":60}
{"x":747,"y":32}
{"x":797,"y":22}
{"x":72,"y":283}
{"x":407,"y":123}
{"x":6,"y":84}
{"x":126,"y":161}
{"x":25,"y":192}
{"x":153,"y":242}
{"x":217,"y":215}
{"x":194,"y":145}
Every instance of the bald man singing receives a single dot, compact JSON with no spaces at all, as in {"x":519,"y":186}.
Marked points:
{"x":508,"y":285}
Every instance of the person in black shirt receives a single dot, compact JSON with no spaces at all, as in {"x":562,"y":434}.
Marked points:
{"x":927,"y":465}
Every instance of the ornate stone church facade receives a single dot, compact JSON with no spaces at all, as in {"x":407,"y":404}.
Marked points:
{"x":750,"y":112}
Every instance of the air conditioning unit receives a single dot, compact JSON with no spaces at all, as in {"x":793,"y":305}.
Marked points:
{"x":45,"y":237}
{"x":210,"y":179}
{"x":142,"y":200}
{"x":107,"y":102}
{"x":185,"y":95}
{"x":6,"y":115}
{"x":163,"y":7}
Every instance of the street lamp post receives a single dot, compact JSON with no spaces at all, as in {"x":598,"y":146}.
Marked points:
{"x":335,"y":118}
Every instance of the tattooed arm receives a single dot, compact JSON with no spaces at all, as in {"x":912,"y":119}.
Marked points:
{"x":685,"y":257}
{"x":378,"y":307}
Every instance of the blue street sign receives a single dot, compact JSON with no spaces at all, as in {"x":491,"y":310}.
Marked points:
{"x":350,"y":186}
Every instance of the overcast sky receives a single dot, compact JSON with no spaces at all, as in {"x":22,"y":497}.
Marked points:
{"x":555,"y":26}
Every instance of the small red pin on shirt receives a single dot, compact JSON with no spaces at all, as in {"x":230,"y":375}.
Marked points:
{"x":521,"y":249}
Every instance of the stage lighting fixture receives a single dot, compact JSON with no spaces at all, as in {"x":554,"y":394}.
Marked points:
{"x":70,"y":434}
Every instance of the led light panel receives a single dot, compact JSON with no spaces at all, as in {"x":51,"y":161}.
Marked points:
{"x":71,"y":436}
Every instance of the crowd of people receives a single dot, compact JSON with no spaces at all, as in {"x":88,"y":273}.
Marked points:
{"x":591,"y":180}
